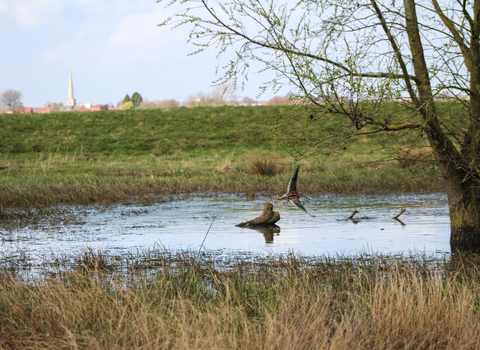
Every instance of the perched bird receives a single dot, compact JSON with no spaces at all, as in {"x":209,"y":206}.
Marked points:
{"x":292,"y":195}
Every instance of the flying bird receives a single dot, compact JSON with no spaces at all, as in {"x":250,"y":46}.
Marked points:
{"x":292,"y":195}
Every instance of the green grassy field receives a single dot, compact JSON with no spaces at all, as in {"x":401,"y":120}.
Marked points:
{"x":111,"y":156}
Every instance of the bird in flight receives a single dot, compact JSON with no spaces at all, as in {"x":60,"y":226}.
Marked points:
{"x":292,"y":195}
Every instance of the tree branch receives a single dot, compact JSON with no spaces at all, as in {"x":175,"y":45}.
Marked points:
{"x":405,"y":76}
{"x":456,"y":36}
{"x":396,"y":50}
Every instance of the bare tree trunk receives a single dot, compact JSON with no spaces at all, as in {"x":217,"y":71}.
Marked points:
{"x":464,"y":205}
{"x":461,"y":185}
{"x":465,"y":220}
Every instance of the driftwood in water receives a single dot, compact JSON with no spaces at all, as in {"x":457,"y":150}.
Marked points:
{"x":268,"y":217}
{"x":401,"y":212}
{"x":353,"y":214}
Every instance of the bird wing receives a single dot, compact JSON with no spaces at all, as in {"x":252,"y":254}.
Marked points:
{"x":292,"y":185}
{"x":298,"y":204}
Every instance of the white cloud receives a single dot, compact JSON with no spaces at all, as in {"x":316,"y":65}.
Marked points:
{"x":137,"y":38}
{"x":139,"y":27}
{"x":87,"y":2}
{"x":3,"y":6}
{"x":62,"y":52}
{"x":109,"y":42}
{"x":30,"y":13}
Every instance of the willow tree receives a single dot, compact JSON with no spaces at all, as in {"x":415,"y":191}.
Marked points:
{"x":351,"y":58}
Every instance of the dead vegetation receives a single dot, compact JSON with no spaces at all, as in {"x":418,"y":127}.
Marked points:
{"x":161,"y":299}
{"x":265,"y":165}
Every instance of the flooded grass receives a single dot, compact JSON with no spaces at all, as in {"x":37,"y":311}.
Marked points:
{"x":27,"y":192}
{"x":166,"y":299}
{"x":138,"y":156}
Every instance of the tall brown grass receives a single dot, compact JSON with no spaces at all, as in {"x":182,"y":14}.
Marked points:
{"x":263,"y":303}
{"x":265,"y":165}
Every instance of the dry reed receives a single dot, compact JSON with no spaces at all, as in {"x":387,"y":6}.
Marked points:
{"x":265,"y":165}
{"x":262,"y":303}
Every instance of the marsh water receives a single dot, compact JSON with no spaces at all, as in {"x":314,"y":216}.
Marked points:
{"x":183,"y":223}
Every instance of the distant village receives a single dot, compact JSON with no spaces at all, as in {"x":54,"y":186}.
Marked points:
{"x":10,"y":102}
{"x":80,"y":108}
{"x":17,"y":107}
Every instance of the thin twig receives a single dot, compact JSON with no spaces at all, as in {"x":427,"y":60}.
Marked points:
{"x":201,"y":245}
{"x":401,"y":212}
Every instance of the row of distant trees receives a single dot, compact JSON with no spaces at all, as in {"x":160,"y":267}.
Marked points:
{"x":221,"y":96}
{"x":227,"y":94}
{"x":202,"y":99}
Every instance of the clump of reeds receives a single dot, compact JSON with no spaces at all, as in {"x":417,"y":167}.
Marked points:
{"x":91,"y":260}
{"x":247,"y":302}
{"x":265,"y":165}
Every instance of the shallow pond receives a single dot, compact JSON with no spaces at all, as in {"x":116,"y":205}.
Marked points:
{"x":183,"y":224}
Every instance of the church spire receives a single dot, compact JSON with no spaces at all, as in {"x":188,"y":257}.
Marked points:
{"x":71,"y":99}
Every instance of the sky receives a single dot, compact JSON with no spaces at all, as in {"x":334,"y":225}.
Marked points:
{"x":113,"y":47}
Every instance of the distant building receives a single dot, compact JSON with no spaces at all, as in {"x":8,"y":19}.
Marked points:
{"x":7,"y":109}
{"x":81,"y":108}
{"x":98,"y":108}
{"x":71,"y":100}
{"x":24,"y":109}
{"x":48,"y":109}
{"x":87,"y":105}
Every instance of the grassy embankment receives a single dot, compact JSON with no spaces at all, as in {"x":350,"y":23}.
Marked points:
{"x":104,"y":157}
{"x":252,"y":303}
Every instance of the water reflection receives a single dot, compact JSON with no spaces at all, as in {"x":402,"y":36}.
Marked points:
{"x":267,"y":231}
{"x":182,"y":224}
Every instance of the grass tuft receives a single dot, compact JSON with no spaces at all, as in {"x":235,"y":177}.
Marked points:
{"x":265,"y":165}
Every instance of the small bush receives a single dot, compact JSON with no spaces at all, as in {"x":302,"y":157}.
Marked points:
{"x":127,"y":105}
